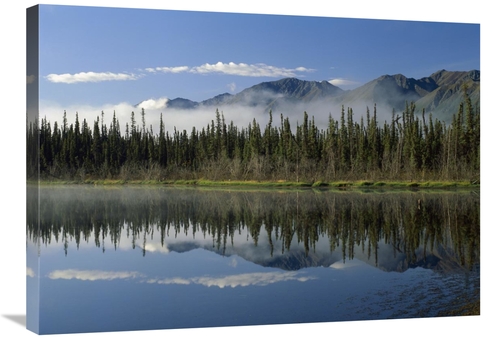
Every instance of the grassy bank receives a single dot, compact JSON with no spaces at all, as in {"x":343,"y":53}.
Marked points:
{"x":279,"y":183}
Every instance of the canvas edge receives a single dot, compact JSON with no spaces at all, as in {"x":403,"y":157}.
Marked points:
{"x":32,"y":171}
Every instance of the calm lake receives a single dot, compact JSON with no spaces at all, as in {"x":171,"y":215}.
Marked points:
{"x":136,"y":258}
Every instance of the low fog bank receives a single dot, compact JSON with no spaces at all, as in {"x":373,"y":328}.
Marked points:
{"x":185,"y":119}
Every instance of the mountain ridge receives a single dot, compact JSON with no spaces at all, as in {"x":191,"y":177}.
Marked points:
{"x":439,"y":93}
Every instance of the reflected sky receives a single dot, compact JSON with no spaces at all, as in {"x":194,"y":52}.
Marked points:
{"x":183,"y":279}
{"x":200,"y":288}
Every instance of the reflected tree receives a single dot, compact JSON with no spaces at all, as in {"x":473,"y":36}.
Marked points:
{"x":422,"y":228}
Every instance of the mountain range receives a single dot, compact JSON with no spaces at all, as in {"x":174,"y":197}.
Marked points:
{"x":439,"y":94}
{"x":388,"y":259}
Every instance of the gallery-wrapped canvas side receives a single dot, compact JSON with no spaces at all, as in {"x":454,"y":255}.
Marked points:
{"x":32,"y":173}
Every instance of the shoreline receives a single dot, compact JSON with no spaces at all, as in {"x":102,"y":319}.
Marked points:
{"x":267,"y":183}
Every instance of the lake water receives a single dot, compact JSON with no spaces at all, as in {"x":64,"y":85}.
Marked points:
{"x":137,"y":258}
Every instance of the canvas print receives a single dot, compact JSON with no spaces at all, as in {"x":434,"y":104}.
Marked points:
{"x":192,"y":169}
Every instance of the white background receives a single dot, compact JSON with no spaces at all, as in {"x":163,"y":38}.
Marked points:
{"x":12,"y":143}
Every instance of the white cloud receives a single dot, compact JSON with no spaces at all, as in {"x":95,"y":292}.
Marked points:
{"x":178,"y":69}
{"x":92,"y":275}
{"x":154,"y":103}
{"x":303,"y":69}
{"x":89,"y":77}
{"x":231,"y":68}
{"x":340,"y":82}
{"x":30,"y":272}
{"x":251,"y":70}
{"x":232,"y":87}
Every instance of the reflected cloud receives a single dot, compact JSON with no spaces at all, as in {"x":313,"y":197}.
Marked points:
{"x":152,"y":247}
{"x":237,"y":280}
{"x":233,"y":262}
{"x":92,"y":275}
{"x":251,"y":279}
{"x":173,"y":281}
{"x":339,"y":265}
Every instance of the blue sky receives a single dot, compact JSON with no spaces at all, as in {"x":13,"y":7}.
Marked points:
{"x":95,"y":59}
{"x":97,"y":56}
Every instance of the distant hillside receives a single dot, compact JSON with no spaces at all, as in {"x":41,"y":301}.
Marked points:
{"x":444,"y":100}
{"x":288,"y":89}
{"x":221,"y":99}
{"x":439,"y":94}
{"x":181,"y":103}
{"x":274,"y":94}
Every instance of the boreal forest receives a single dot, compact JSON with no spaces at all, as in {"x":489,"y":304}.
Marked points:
{"x":411,"y":146}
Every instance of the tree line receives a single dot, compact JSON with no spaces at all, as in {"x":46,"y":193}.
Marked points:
{"x":411,"y":146}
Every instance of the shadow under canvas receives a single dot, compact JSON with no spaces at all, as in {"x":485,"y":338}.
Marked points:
{"x":17,"y":318}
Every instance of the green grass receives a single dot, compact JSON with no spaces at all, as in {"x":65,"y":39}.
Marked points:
{"x":252,"y":183}
{"x":319,"y":184}
{"x":278,"y":183}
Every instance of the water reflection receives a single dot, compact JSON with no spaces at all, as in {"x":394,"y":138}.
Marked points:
{"x":133,"y":258}
{"x":394,"y":231}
